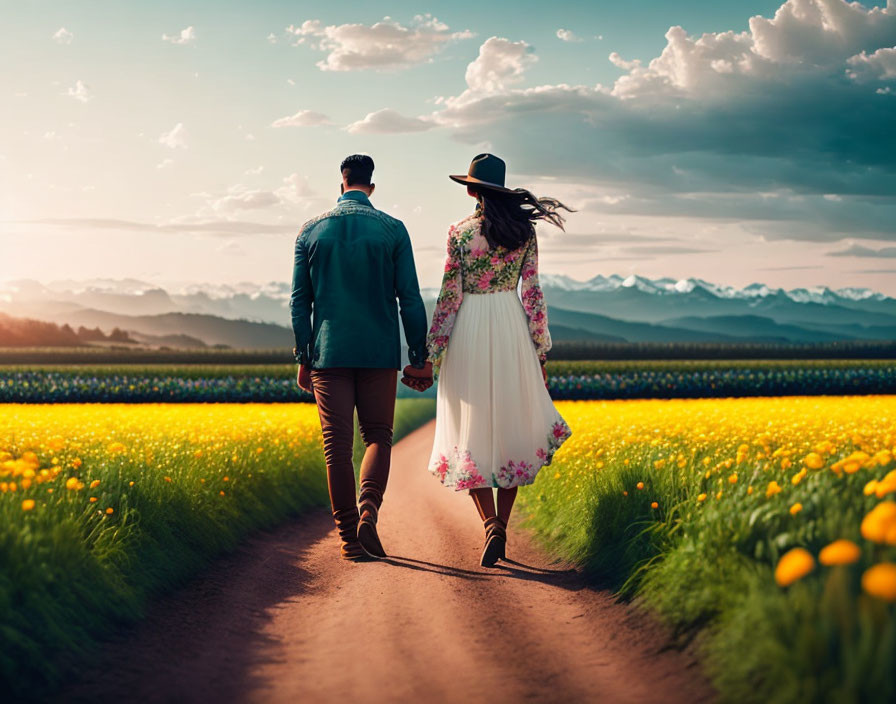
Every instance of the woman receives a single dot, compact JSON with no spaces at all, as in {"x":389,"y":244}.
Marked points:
{"x":495,"y":423}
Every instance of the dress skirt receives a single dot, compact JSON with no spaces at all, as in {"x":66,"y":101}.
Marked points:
{"x":496,"y":424}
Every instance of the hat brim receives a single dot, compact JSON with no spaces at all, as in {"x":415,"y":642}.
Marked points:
{"x":473,"y":181}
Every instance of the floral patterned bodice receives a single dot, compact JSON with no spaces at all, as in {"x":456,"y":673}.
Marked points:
{"x":472,"y":267}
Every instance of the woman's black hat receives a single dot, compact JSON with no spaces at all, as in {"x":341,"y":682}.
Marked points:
{"x":486,"y":171}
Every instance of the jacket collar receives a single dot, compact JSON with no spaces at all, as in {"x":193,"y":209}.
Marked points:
{"x":356,"y":196}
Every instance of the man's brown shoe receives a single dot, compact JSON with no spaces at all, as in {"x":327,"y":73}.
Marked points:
{"x":370,"y":500}
{"x":347,"y":525}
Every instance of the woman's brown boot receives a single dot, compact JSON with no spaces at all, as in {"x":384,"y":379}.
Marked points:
{"x":370,"y":500}
{"x":495,"y":538}
{"x":347,"y":525}
{"x":503,"y":527}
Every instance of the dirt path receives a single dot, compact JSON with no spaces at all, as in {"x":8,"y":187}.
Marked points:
{"x":284,"y":620}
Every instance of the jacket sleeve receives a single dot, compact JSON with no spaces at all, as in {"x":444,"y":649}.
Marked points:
{"x":447,"y":305}
{"x":301,"y":301}
{"x":407,"y":291}
{"x":533,"y":301}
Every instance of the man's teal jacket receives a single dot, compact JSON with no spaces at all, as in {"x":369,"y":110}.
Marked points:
{"x":351,"y":264}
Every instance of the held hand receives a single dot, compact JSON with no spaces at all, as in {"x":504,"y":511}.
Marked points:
{"x":418,"y":379}
{"x":303,"y":379}
{"x":420,"y":385}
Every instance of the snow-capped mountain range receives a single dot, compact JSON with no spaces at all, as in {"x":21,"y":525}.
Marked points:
{"x":670,"y":286}
{"x":633,"y":308}
{"x":30,"y":290}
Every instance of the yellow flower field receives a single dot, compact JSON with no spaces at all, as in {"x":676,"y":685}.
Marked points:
{"x":55,"y":454}
{"x":102,"y":505}
{"x":747,"y":514}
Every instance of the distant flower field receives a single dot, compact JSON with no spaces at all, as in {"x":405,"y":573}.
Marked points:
{"x":175,"y":385}
{"x":708,"y":379}
{"x":765,"y":525}
{"x":275,"y":383}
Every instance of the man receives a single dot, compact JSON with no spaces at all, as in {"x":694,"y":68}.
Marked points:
{"x":351,"y":264}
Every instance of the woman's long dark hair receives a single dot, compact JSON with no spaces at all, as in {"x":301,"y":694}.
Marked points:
{"x":509,"y":218}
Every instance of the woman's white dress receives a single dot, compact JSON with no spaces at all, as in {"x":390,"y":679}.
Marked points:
{"x":496,"y":424}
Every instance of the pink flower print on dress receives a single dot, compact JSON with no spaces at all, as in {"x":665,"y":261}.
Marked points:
{"x":468,"y":474}
{"x":467,"y":464}
{"x":485,"y":280}
{"x":442,"y":467}
{"x":505,"y":475}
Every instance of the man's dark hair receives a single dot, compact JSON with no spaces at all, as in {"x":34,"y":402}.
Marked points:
{"x":357,"y":169}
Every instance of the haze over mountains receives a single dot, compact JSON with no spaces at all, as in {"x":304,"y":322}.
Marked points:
{"x":614,"y":308}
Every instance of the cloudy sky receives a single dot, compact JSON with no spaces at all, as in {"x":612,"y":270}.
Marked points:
{"x":735,"y":141}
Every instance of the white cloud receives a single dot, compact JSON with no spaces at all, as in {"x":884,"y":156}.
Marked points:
{"x":385,"y":45}
{"x":474,"y":108}
{"x":388,"y":121}
{"x":821,"y":32}
{"x":165,"y":163}
{"x":880,"y":64}
{"x":295,"y":189}
{"x":618,"y":61}
{"x":175,"y":138}
{"x":272,"y":38}
{"x":80,"y":91}
{"x":188,"y":223}
{"x":303,"y":118}
{"x":858,"y":250}
{"x":254,"y":172}
{"x":186,"y":36}
{"x":240,"y":197}
{"x":63,"y":36}
{"x":567,"y":35}
{"x":500,"y":63}
{"x":293,"y":196}
{"x":804,"y":37}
